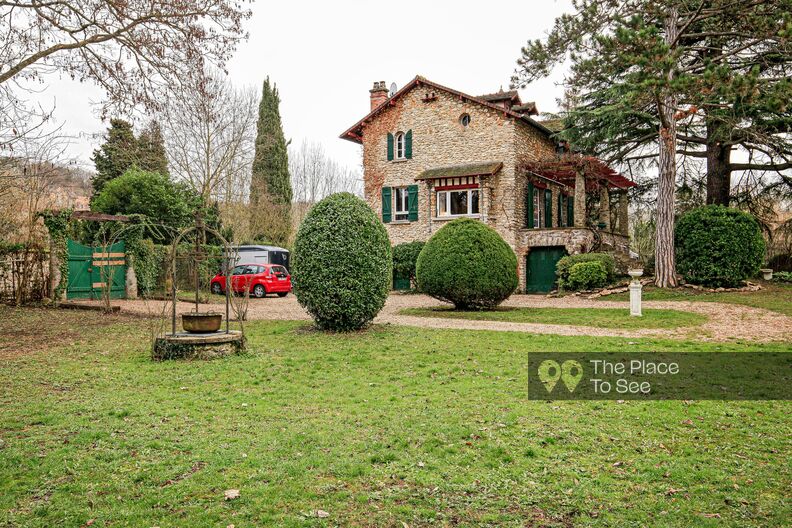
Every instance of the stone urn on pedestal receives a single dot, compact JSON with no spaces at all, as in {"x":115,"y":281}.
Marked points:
{"x":635,"y":292}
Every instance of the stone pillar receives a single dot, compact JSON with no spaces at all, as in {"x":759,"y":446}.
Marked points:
{"x":624,"y":226}
{"x":604,"y":211}
{"x":580,"y":199}
{"x":635,"y":297}
{"x":131,"y":279}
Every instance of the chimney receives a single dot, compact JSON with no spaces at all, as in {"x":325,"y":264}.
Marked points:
{"x":379,"y":94}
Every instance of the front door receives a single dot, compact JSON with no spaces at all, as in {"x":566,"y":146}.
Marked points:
{"x":540,"y":267}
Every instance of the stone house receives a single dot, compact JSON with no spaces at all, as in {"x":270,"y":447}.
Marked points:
{"x":432,"y":154}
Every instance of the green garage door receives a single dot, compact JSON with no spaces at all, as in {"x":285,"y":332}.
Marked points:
{"x":540,"y":265}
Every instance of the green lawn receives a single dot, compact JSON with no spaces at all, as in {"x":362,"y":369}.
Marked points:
{"x":597,"y":317}
{"x":393,"y":426}
{"x":773,"y":296}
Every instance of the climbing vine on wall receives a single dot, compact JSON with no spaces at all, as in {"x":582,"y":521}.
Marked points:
{"x":58,"y":225}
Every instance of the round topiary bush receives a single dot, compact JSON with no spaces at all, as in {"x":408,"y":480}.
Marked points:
{"x":718,"y":247}
{"x":564,"y":266}
{"x":587,"y":275}
{"x":468,"y":264}
{"x":341,"y":263}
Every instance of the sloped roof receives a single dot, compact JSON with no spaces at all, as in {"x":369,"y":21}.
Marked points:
{"x":355,"y":132}
{"x":556,"y":125}
{"x":564,"y":169}
{"x":460,"y":171}
{"x":501,"y":96}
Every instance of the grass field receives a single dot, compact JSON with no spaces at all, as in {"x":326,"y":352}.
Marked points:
{"x":596,"y":317}
{"x":773,"y":296}
{"x":393,"y":426}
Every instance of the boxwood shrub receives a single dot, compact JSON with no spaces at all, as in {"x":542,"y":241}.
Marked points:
{"x":587,"y":275}
{"x":405,"y":257}
{"x":717,"y":246}
{"x":564,"y":266}
{"x":341,"y":263}
{"x":468,"y":264}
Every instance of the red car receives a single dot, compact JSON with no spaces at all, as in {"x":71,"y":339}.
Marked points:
{"x":258,"y":279}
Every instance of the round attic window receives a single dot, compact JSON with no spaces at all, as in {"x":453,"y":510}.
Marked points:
{"x":464,"y":120}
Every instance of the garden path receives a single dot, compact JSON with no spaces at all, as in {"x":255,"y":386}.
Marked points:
{"x":725,"y":322}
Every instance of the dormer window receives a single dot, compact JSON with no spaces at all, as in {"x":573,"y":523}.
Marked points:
{"x":399,"y":145}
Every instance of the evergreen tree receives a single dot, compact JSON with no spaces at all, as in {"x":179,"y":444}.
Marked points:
{"x":117,"y":153}
{"x":642,"y":70}
{"x":270,"y":184}
{"x":151,"y":149}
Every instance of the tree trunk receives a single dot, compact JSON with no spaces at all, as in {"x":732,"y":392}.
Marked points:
{"x":665,"y":268}
{"x":718,"y":166}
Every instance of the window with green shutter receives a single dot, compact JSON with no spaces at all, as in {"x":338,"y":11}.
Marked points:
{"x":390,"y":146}
{"x":548,"y":205}
{"x":560,"y":219}
{"x":408,"y":144}
{"x":412,"y":201}
{"x":387,"y":203}
{"x":529,"y":202}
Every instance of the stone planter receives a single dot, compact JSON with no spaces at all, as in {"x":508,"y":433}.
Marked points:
{"x":767,"y":274}
{"x":201,"y":323}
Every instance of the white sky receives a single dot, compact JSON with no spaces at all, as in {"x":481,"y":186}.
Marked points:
{"x":325,"y":56}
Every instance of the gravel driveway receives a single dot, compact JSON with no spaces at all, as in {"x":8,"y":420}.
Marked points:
{"x":726,"y":322}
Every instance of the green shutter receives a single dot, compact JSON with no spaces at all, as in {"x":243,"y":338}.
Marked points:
{"x":570,"y":211}
{"x":390,"y":146}
{"x":548,"y":208}
{"x":529,"y":212}
{"x":408,"y":144}
{"x":412,"y":202}
{"x":386,"y":204}
{"x":560,"y":219}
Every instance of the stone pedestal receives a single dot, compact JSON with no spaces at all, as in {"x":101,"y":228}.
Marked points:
{"x":635,"y":298}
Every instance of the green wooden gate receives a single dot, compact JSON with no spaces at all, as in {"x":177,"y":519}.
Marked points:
{"x":540,"y":266}
{"x":91,"y":267}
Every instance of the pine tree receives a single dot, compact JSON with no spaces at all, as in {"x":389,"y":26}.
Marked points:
{"x":270,"y":185}
{"x":118,"y":152}
{"x":648,"y":76}
{"x":151,"y":149}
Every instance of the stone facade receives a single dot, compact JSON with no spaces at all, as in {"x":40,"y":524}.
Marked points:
{"x":440,"y":139}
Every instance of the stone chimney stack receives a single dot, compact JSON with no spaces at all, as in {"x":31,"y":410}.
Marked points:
{"x":379,"y":94}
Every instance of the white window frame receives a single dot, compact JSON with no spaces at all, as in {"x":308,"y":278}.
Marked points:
{"x":445,"y":197}
{"x":399,"y":146}
{"x":404,"y":214}
{"x":538,"y":207}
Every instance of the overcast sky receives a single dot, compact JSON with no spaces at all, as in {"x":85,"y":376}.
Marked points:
{"x":325,"y":56}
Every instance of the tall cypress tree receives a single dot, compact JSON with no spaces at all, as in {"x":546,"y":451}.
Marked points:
{"x":116,"y":155}
{"x":270,"y":185}
{"x":151,"y":149}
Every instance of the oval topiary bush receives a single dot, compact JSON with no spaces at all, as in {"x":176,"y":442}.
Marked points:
{"x":341,"y":263}
{"x":468,"y":264}
{"x":718,"y":246}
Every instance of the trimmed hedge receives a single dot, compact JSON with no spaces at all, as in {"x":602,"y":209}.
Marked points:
{"x":342,"y":263}
{"x":717,"y":246}
{"x":587,"y":275}
{"x":468,"y":264}
{"x":405,"y":257}
{"x":564,"y":266}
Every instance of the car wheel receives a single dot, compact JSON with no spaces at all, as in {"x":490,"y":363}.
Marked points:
{"x":216,"y":289}
{"x":283,"y":294}
{"x":259,"y":291}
